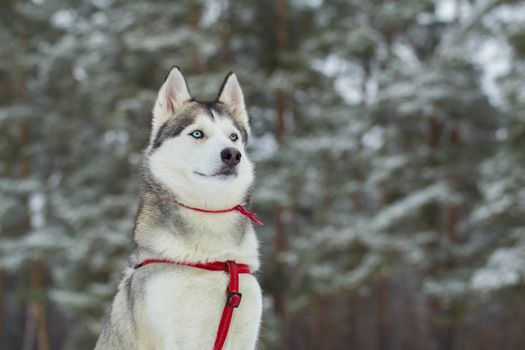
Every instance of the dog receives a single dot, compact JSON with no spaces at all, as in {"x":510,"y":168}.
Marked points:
{"x":194,"y":168}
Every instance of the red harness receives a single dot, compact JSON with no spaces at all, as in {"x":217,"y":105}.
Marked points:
{"x":233,"y":296}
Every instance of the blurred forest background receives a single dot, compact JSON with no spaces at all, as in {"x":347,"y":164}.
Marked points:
{"x":389,"y":138}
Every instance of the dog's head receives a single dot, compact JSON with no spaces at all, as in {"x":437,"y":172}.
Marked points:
{"x":198,"y":149}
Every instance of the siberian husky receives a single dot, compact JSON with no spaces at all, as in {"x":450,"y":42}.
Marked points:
{"x":196,"y":158}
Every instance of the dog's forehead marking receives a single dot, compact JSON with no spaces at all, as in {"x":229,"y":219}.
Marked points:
{"x":205,"y":120}
{"x":219,"y":120}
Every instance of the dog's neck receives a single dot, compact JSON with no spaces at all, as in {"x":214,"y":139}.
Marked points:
{"x":165,"y":229}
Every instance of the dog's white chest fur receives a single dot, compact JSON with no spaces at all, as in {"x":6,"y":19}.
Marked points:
{"x":183,"y":307}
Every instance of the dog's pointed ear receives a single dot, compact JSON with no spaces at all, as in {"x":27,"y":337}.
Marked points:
{"x":231,"y":95}
{"x":172,"y":95}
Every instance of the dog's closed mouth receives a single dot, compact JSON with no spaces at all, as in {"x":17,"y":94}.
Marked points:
{"x":221,"y":173}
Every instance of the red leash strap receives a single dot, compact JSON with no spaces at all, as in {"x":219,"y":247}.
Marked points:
{"x":233,"y":296}
{"x":246,"y":213}
{"x":233,"y":299}
{"x":238,"y":208}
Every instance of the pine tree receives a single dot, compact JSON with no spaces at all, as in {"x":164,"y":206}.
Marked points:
{"x":501,"y":204}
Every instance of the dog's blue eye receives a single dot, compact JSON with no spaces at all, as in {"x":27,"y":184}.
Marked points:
{"x":197,"y":134}
{"x":234,"y":137}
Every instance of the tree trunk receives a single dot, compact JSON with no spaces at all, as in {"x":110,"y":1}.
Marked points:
{"x":37,"y":276}
{"x":281,"y":35}
{"x":434,"y":130}
{"x":194,"y":20}
{"x":3,"y":338}
{"x":227,"y":33}
{"x":29,"y":330}
{"x":36,"y":327}
{"x":36,"y":323}
{"x":352,"y":305}
{"x":383,"y":291}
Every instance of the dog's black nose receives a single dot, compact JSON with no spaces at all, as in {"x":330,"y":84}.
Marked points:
{"x":231,"y":156}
